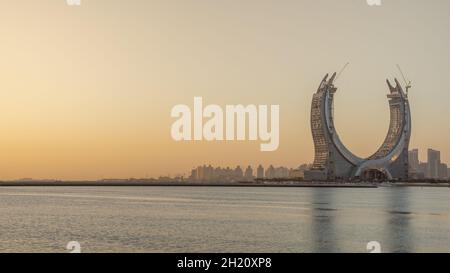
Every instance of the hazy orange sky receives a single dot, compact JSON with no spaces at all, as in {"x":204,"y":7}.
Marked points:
{"x":86,"y":92}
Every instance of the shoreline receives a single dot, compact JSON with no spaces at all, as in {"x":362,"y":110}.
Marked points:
{"x":212,"y":184}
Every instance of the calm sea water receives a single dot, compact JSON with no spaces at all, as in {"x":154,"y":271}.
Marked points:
{"x":196,"y":219}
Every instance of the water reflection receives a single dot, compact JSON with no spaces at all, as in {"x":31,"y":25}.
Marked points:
{"x":323,"y":221}
{"x":400,"y":237}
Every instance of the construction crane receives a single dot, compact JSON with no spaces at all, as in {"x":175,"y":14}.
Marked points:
{"x":407,"y":83}
{"x":342,"y":70}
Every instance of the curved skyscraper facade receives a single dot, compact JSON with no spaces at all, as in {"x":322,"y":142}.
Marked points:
{"x":333,"y":161}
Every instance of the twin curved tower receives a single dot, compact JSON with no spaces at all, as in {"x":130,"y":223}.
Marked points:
{"x":334,"y":162}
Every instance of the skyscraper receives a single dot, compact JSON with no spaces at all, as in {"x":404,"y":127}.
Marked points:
{"x":434,"y":162}
{"x":442,"y":172}
{"x":248,"y":173}
{"x":413,"y":157}
{"x":333,"y":161}
{"x":200,"y":172}
{"x":260,"y":172}
{"x":281,"y":172}
{"x":270,"y":172}
{"x":193,"y":176}
{"x":238,"y":172}
{"x":423,"y":168}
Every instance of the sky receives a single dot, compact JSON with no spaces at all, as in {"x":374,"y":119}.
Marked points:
{"x":86,"y":91}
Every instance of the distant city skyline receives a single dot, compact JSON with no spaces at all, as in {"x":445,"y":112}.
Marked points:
{"x":432,"y":168}
{"x":209,"y":173}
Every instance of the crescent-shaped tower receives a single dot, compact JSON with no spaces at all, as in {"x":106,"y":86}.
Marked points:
{"x":334,"y":162}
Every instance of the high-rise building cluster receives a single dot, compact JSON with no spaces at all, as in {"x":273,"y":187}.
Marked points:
{"x":218,"y":174}
{"x":432,"y":169}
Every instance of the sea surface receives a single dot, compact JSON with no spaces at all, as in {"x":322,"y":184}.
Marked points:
{"x":223,"y":219}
